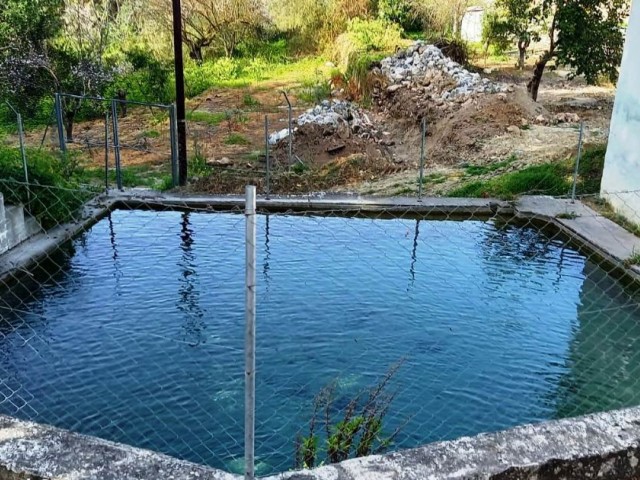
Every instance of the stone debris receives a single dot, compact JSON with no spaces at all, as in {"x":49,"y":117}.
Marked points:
{"x":566,"y":118}
{"x":422,"y":65}
{"x":336,"y":117}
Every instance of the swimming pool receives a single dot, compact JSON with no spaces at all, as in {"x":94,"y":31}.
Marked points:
{"x":134,"y":332}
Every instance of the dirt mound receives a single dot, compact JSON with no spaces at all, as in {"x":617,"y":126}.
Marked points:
{"x":316,"y":145}
{"x":457,"y":137}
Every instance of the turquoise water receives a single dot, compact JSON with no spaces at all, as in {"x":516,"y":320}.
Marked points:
{"x":135,"y":332}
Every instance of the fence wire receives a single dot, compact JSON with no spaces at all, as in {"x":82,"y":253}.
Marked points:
{"x":133,"y":329}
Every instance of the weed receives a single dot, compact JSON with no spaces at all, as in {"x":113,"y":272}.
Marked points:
{"x":634,"y":259}
{"x":236,"y":139}
{"x":405,"y":191}
{"x":474,"y":170}
{"x":249,"y":101}
{"x":213,"y":119}
{"x":299,"y":168}
{"x":434,"y":178}
{"x":166,"y":183}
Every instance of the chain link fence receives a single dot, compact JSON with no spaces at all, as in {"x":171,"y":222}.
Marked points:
{"x":380,"y":325}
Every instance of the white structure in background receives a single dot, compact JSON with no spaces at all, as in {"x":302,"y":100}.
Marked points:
{"x":621,"y":176}
{"x":15,"y":226}
{"x":471,"y":29}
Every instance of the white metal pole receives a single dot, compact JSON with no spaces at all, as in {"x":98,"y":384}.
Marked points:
{"x":250,"y":335}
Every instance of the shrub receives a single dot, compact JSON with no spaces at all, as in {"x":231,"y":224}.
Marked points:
{"x":200,"y":78}
{"x":365,"y":36}
{"x":52,"y":196}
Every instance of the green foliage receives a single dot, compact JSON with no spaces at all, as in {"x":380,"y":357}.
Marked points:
{"x":146,"y":81}
{"x":236,"y":139}
{"x":590,"y":36}
{"x":590,"y":170}
{"x":53,"y":195}
{"x":400,"y":12}
{"x":356,"y":431}
{"x":299,"y":168}
{"x":315,"y":90}
{"x":455,"y":48}
{"x":366,"y":36}
{"x":249,"y":101}
{"x":473,"y":170}
{"x":200,"y":78}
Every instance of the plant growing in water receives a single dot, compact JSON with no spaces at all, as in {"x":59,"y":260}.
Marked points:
{"x":355,"y":432}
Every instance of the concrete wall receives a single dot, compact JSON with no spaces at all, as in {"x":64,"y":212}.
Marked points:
{"x":471,"y":29}
{"x":621,"y":178}
{"x":15,"y":225}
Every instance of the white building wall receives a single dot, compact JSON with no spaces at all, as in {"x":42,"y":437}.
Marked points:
{"x":621,"y":177}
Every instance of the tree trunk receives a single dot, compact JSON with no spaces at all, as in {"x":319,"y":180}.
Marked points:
{"x":195,"y":53}
{"x":534,"y":83}
{"x":68,"y":126}
{"x":522,"y":56}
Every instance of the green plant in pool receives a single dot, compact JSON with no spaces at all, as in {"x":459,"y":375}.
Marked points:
{"x":357,"y":431}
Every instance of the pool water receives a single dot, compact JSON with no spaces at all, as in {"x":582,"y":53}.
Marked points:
{"x":134,"y":333}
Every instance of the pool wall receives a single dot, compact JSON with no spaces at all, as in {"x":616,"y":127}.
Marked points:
{"x":604,"y":445}
{"x":583,"y":226}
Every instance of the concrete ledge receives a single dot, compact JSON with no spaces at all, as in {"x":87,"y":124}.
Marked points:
{"x":604,"y":445}
{"x":32,"y":451}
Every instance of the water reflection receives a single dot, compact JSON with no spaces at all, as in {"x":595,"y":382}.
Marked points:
{"x":189,"y":296}
{"x":603,"y":360}
{"x":267,"y":255}
{"x":414,"y":257}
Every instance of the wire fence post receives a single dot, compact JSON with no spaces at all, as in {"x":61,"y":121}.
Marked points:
{"x":423,"y":138}
{"x":23,"y":153}
{"x":106,"y":151}
{"x":575,"y":172}
{"x":173,"y":138}
{"x":266,"y":154}
{"x":60,"y":123}
{"x":116,"y":142}
{"x":290,"y":146}
{"x":250,"y":334}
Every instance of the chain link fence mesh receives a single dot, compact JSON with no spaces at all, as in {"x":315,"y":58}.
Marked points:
{"x":132,"y":330}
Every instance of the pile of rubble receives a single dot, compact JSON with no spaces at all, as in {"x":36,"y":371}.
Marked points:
{"x":335,"y":117}
{"x":421,"y":63}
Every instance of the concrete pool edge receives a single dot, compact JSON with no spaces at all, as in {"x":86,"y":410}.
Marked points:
{"x":603,"y":445}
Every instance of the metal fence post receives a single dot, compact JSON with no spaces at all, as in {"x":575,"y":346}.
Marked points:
{"x":575,"y":172}
{"x":23,"y":153}
{"x":60,"y":123}
{"x":250,"y":335}
{"x":173,"y":138}
{"x":423,"y":138}
{"x":290,"y":147}
{"x":106,"y":152}
{"x":267,"y":160}
{"x":116,"y":142}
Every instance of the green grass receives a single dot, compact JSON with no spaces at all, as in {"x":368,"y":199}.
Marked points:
{"x":548,"y":179}
{"x":433,"y":178}
{"x":213,"y":119}
{"x":151,"y":134}
{"x":475,"y":170}
{"x":236,"y":139}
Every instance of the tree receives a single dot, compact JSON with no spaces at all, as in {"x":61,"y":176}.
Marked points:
{"x":209,"y":23}
{"x":513,"y":21}
{"x":584,"y":34}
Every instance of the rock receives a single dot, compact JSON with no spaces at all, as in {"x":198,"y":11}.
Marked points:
{"x":222,"y":162}
{"x":502,"y":96}
{"x":566,"y":118}
{"x":541,"y":120}
{"x":513,"y":129}
{"x":394,"y":88}
{"x":343,"y":131}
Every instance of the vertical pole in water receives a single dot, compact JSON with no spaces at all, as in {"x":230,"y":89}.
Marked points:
{"x":59,"y":122}
{"x":23,"y":153}
{"x":575,"y":172}
{"x":250,"y":334}
{"x":266,"y":153}
{"x":423,"y":138}
{"x":173,"y":138}
{"x":106,"y":152}
{"x":116,"y":142}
